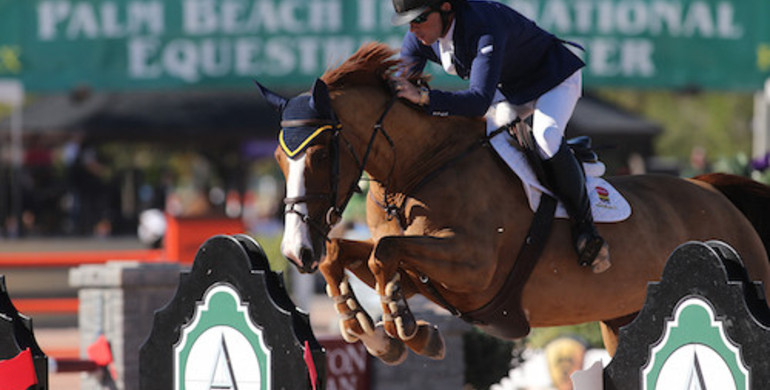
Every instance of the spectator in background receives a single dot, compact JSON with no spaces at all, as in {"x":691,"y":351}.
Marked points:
{"x":698,"y":164}
{"x":91,"y":193}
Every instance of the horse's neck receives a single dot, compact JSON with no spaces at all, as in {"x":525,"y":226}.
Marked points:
{"x":438,"y":141}
{"x":421,"y":143}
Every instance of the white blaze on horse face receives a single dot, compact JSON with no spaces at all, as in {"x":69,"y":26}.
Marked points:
{"x":296,"y":234}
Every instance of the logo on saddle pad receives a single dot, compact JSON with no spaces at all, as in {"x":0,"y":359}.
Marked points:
{"x":604,"y":195}
{"x":220,"y":348}
{"x":695,"y":353}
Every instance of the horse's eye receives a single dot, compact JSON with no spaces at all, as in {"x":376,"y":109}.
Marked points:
{"x":319,"y":156}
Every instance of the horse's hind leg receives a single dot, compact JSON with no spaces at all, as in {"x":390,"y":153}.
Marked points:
{"x":355,"y":323}
{"x":610,"y":330}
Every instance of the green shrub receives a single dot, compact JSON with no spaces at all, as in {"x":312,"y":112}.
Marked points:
{"x":488,"y":359}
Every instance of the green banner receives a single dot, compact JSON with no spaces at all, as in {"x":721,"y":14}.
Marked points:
{"x":714,"y":44}
{"x":55,"y":45}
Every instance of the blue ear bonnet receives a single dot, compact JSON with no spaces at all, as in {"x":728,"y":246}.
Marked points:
{"x":294,"y":138}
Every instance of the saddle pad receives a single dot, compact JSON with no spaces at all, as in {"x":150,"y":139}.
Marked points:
{"x":607,"y":204}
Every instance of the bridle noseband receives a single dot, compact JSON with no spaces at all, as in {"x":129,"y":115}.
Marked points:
{"x":334,"y":212}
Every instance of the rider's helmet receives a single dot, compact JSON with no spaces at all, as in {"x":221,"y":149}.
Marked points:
{"x":407,"y":10}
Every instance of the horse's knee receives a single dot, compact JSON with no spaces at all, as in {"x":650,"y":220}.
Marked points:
{"x":332,"y":267}
{"x":332,"y":273}
{"x":333,"y":248}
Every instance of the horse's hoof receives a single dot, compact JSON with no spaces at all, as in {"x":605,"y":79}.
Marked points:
{"x":602,"y":261}
{"x":392,"y":352}
{"x":428,"y":341}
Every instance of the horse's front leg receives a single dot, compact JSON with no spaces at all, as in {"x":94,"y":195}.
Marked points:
{"x":355,"y":323}
{"x":440,"y":258}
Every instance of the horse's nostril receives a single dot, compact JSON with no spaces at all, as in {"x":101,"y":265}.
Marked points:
{"x":306,"y":256}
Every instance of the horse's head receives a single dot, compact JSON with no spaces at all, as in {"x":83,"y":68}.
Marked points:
{"x":319,"y":178}
{"x":322,"y":163}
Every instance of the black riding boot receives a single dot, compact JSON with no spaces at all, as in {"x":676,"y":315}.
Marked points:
{"x":567,"y":180}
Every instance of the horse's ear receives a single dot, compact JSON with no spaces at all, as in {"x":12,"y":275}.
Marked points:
{"x":275,"y":100}
{"x":320,"y":100}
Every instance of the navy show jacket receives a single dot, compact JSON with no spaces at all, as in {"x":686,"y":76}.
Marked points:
{"x":498,"y":49}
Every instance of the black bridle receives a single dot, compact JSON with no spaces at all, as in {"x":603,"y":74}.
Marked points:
{"x":334,"y":212}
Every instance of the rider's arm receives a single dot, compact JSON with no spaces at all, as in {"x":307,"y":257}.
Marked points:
{"x":414,"y":55}
{"x":484,"y":78}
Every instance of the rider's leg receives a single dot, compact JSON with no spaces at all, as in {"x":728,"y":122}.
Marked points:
{"x":502,"y":113}
{"x":568,"y":183}
{"x":552,"y":112}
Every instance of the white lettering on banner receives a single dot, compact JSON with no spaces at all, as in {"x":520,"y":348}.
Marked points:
{"x":203,"y":17}
{"x":87,"y":20}
{"x":308,"y":52}
{"x":686,"y":19}
{"x":726,"y":25}
{"x":326,"y":16}
{"x":180,"y":59}
{"x":374,"y":15}
{"x":194,"y":59}
{"x":367,"y":15}
{"x":619,"y":36}
{"x":83,"y":22}
{"x":610,"y":57}
{"x":139,"y":51}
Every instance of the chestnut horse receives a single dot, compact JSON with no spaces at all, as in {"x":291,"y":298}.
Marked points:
{"x":447,"y":220}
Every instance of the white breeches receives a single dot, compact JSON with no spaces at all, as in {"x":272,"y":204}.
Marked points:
{"x":551,"y":112}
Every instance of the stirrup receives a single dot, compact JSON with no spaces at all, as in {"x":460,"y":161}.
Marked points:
{"x":593,"y":251}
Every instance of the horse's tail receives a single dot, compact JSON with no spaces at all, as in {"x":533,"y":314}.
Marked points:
{"x":750,"y":197}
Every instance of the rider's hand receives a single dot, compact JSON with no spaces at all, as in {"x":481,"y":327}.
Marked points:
{"x":406,"y":90}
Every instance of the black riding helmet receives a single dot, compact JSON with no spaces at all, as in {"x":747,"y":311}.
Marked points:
{"x":407,"y":10}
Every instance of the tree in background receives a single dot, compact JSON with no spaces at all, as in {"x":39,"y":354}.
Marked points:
{"x":719,"y":122}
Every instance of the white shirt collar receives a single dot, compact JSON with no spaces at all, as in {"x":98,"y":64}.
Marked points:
{"x":446,"y":47}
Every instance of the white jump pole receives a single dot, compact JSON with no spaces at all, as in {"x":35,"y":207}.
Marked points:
{"x":12,"y":93}
{"x":761,"y":143}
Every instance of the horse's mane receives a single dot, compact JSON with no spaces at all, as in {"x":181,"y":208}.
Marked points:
{"x":371,"y":65}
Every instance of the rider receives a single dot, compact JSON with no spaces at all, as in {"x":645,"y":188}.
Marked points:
{"x":522,"y":68}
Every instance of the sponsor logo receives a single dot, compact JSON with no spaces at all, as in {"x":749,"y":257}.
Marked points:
{"x":604,"y":195}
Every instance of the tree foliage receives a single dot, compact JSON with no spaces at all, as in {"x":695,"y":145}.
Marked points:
{"x":720,"y":122}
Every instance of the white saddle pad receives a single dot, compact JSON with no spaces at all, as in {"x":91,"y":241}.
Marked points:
{"x":607,"y":204}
